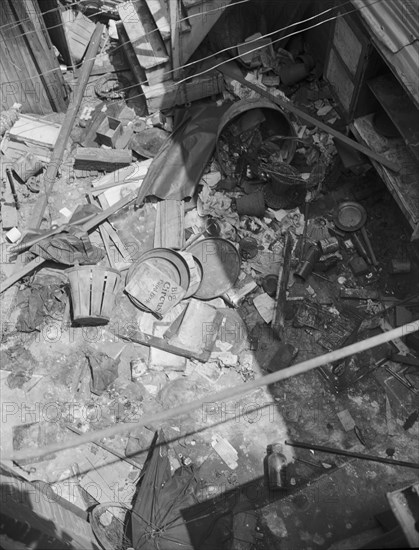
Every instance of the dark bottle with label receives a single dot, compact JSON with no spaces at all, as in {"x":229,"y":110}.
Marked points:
{"x":276,"y":467}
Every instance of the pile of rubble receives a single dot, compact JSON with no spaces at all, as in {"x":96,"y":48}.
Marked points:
{"x":180,"y":246}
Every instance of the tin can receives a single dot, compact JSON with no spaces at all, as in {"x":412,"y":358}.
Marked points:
{"x":400,"y":266}
{"x":138,"y":368}
{"x":305,"y":267}
{"x":329,"y":246}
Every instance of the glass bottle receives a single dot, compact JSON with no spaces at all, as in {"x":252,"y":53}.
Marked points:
{"x":276,"y":467}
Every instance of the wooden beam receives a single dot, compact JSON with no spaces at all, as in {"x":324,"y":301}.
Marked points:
{"x":231,"y":70}
{"x":63,"y":137}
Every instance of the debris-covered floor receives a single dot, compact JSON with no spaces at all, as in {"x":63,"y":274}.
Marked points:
{"x":186,"y":252}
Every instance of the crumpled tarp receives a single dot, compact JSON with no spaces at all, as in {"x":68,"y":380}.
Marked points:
{"x":178,"y":166}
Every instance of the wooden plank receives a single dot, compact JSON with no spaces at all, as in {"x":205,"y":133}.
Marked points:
{"x":201,"y":18}
{"x":30,"y":71}
{"x":129,"y":53}
{"x":403,"y":503}
{"x":174,"y":38}
{"x":108,"y":160}
{"x":33,"y":507}
{"x":278,"y":320}
{"x":143,"y":34}
{"x":170,"y":224}
{"x":67,"y":126}
{"x":79,"y":30}
{"x":158,"y":10}
{"x":399,"y":107}
{"x":232,"y":70}
{"x":35,"y":131}
{"x":51,"y":13}
{"x":402,"y":186}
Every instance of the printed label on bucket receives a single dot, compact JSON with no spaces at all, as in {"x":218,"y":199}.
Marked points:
{"x":154,"y":289}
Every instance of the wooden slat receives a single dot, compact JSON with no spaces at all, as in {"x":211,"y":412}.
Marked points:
{"x":399,"y":107}
{"x":174,"y":38}
{"x":93,"y":158}
{"x":143,"y":34}
{"x":53,"y":23}
{"x":160,"y":14}
{"x":202,"y":19}
{"x":31,"y":66}
{"x":170,"y":226}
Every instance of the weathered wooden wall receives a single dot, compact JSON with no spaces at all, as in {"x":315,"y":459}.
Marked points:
{"x":29,"y":71}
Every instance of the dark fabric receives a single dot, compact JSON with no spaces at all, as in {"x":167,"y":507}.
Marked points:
{"x":156,"y":519}
{"x":167,"y":515}
{"x":69,"y":248}
{"x":104,"y":371}
{"x":178,"y":167}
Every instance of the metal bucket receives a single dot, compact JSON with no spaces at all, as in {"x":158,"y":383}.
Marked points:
{"x":275,"y":125}
{"x":93,"y":291}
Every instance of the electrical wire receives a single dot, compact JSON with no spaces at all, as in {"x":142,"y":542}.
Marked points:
{"x":200,"y":14}
{"x":17,"y":23}
{"x":177,"y":83}
{"x":211,"y":55}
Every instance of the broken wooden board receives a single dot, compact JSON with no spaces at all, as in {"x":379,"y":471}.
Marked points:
{"x":168,"y":94}
{"x":108,"y":160}
{"x":143,"y":34}
{"x":110,"y":188}
{"x":78,"y":29}
{"x":170,"y":225}
{"x":14,"y":150}
{"x":35,"y":131}
{"x":32,"y":507}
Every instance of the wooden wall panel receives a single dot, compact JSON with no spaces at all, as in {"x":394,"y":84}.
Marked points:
{"x":30,"y":72}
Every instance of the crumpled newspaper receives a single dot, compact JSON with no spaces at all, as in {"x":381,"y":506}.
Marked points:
{"x":217,"y":204}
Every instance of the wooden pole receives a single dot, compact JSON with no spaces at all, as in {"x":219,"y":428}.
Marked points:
{"x":67,"y":126}
{"x":222,"y":395}
{"x":351,"y":454}
{"x":278,"y":320}
{"x":232,"y":71}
